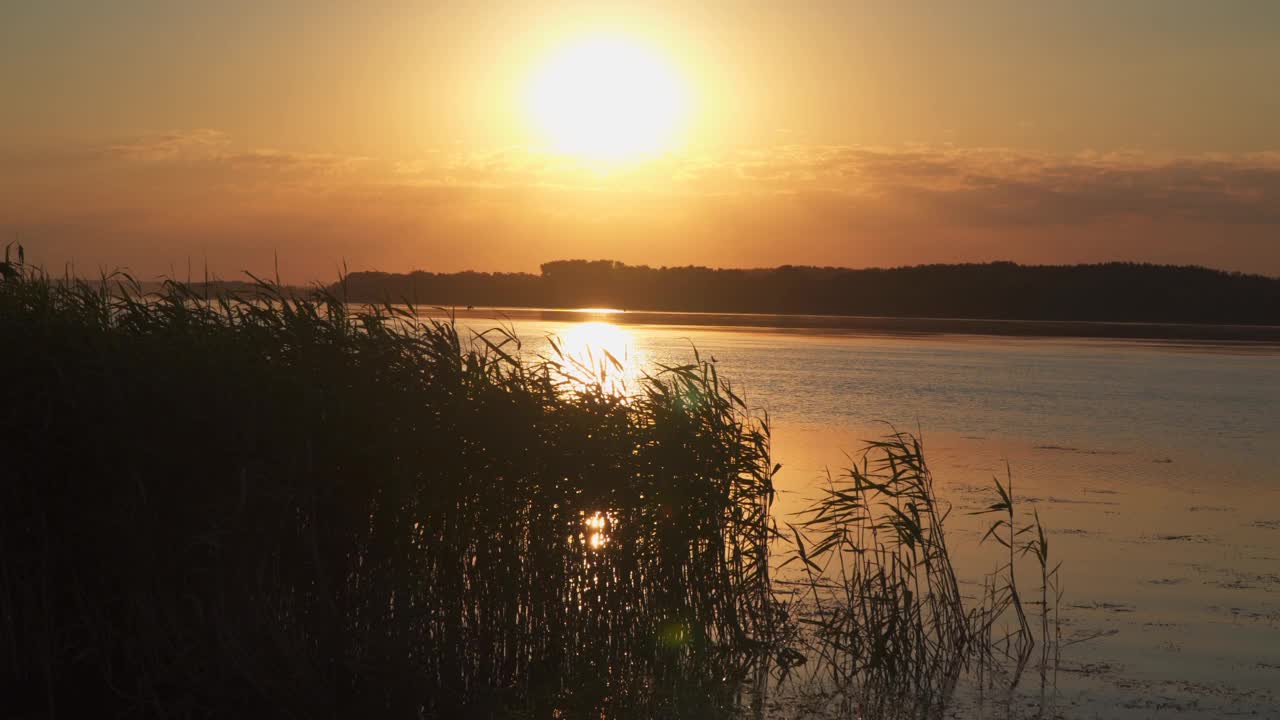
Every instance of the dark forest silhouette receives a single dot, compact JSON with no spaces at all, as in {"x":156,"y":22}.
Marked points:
{"x":1118,"y":292}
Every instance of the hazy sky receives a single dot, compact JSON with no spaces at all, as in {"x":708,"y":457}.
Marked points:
{"x":399,"y":135}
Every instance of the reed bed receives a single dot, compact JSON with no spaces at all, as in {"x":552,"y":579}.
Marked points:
{"x":275,"y":506}
{"x":878,"y":607}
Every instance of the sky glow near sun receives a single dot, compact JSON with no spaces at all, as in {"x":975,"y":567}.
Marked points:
{"x":497,"y":136}
{"x":607,"y":99}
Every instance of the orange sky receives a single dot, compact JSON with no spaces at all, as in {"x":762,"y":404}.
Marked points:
{"x":397,"y":135}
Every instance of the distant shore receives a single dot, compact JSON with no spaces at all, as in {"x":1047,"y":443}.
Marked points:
{"x":896,"y":325}
{"x":1099,"y":300}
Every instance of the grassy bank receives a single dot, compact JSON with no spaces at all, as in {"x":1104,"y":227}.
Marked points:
{"x":277,"y":507}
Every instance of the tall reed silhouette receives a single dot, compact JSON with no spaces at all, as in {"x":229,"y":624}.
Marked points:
{"x":276,"y":505}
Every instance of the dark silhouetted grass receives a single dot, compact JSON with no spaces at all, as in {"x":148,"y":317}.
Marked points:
{"x":879,"y":611}
{"x":278,"y":507}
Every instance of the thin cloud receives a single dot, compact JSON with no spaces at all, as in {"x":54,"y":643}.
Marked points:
{"x":197,"y":193}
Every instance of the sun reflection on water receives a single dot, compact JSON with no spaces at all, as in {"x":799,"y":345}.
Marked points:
{"x":600,"y":352}
{"x":595,"y":534}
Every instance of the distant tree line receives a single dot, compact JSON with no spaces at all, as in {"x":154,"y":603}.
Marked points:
{"x":1119,"y":292}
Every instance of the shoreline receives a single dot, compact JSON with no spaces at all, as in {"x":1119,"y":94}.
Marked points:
{"x":1252,"y":334}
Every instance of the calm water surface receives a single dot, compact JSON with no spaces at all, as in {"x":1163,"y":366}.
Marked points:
{"x":1156,"y":465}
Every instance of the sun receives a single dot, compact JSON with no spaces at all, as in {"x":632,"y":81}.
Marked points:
{"x":607,"y":99}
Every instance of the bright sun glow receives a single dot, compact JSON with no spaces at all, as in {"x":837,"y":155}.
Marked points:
{"x":601,"y":352}
{"x":607,"y":99}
